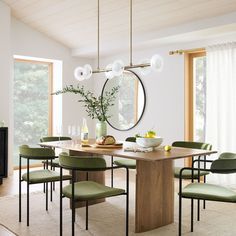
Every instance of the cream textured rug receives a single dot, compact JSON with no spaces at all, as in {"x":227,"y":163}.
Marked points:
{"x":108,"y":218}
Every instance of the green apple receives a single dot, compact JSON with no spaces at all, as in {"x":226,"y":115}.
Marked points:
{"x":150,"y":134}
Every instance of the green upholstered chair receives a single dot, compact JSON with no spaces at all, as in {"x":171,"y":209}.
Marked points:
{"x":36,"y":176}
{"x":53,"y":139}
{"x":225,"y":164}
{"x":127,"y":163}
{"x":187,"y":174}
{"x":55,"y":162}
{"x":195,"y":145}
{"x":87,"y":190}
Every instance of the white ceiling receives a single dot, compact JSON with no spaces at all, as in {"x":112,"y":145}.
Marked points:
{"x":74,"y":22}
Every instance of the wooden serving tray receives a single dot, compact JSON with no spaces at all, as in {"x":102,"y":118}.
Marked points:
{"x":117,"y":145}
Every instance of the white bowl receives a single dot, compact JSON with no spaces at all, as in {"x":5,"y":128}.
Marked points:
{"x":149,"y":142}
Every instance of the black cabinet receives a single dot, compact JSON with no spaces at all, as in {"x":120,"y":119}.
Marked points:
{"x":3,"y":152}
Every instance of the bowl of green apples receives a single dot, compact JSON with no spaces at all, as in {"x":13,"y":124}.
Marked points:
{"x":150,"y":139}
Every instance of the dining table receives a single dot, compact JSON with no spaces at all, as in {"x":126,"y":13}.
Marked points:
{"x":154,"y":192}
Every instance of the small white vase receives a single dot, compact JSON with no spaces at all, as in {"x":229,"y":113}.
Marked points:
{"x":101,"y":129}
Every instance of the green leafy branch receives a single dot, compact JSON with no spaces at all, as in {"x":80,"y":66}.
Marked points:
{"x":96,"y":107}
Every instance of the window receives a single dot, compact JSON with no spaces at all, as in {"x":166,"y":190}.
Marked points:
{"x":199,"y":97}
{"x":195,"y":96}
{"x":32,"y":102}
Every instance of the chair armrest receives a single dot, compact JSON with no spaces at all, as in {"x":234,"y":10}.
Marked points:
{"x":189,"y":168}
{"x":200,"y":160}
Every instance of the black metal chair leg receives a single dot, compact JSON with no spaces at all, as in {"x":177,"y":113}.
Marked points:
{"x":204,"y":201}
{"x":20,"y":189}
{"x":198,"y":210}
{"x":27,"y":192}
{"x":198,"y":201}
{"x":86,"y":215}
{"x":61,"y":219}
{"x":51,"y":182}
{"x":51,"y":191}
{"x":44,"y":186}
{"x":46,"y":196}
{"x":180,"y":204}
{"x":192,"y":215}
{"x":54,"y":184}
{"x":73,"y":204}
{"x":112,"y":172}
{"x":127,"y":201}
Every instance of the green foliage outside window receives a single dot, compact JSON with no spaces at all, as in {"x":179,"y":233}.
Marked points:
{"x":30,"y":104}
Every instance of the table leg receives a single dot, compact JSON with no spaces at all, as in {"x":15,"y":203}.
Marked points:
{"x":97,"y":176}
{"x":154,"y":195}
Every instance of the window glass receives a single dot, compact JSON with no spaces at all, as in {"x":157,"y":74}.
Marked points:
{"x":31,"y":103}
{"x":199,"y":83}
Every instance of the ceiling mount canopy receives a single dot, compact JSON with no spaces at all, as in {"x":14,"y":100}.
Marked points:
{"x":117,"y":67}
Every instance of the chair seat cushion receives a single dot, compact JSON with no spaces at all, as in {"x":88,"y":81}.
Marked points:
{"x":187,"y":174}
{"x":209,"y":192}
{"x":131,"y":164}
{"x":42,"y":176}
{"x":89,"y":190}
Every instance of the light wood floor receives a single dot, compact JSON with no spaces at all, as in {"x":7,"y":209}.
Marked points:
{"x":10,"y":186}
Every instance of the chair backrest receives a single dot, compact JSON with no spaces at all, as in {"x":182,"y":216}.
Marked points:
{"x":131,"y":139}
{"x":225,"y":164}
{"x":83,"y":163}
{"x":36,"y":153}
{"x":54,"y":138}
{"x":194,"y":145}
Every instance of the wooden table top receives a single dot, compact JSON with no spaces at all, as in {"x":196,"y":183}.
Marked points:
{"x":158,"y":154}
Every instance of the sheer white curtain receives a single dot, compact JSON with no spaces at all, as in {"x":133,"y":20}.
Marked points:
{"x":221,"y":103}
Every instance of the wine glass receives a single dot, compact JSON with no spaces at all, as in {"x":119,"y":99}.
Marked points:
{"x":78,"y":131}
{"x":59,"y":131}
{"x":69,"y":130}
{"x":73,"y":133}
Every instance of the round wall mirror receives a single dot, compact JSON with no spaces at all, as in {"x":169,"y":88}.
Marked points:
{"x":130,"y":101}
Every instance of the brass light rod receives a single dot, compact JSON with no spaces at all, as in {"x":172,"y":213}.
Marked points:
{"x":98,"y":39}
{"x":131,"y":33}
{"x":182,"y":51}
{"x":126,"y":67}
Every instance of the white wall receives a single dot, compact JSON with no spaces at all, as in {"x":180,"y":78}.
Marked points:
{"x":29,"y":42}
{"x":6,"y":74}
{"x":18,"y":39}
{"x":165,"y":91}
{"x":164,"y":94}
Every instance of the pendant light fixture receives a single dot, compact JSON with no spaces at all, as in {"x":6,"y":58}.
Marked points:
{"x":117,"y":67}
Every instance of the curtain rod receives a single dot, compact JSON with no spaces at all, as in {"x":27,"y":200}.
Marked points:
{"x":181,"y":51}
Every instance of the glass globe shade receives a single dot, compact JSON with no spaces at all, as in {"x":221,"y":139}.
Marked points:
{"x":157,"y":63}
{"x":145,"y":70}
{"x":88,"y":71}
{"x":117,"y":68}
{"x":109,"y":74}
{"x":79,"y":73}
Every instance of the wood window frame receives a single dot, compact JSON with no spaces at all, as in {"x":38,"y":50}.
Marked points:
{"x":189,"y":97}
{"x":50,"y":99}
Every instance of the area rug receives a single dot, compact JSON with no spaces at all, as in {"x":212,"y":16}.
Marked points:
{"x":108,"y":218}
